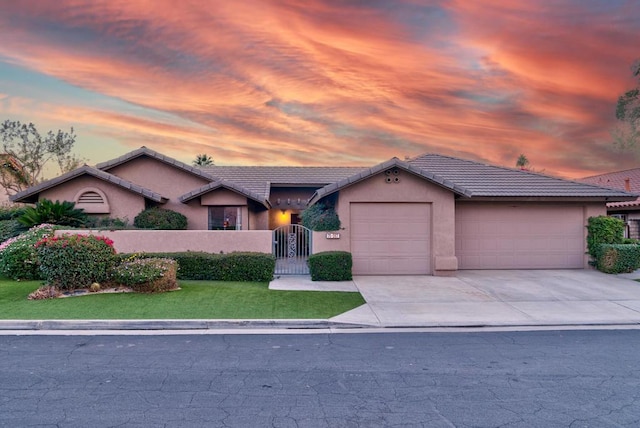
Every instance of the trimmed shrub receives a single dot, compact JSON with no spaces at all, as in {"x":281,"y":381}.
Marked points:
{"x":10,"y":229}
{"x":618,"y":258}
{"x":63,"y":213}
{"x":330,"y":266}
{"x":319,"y":218}
{"x":160,"y":219}
{"x":603,"y":230}
{"x":9,"y":225}
{"x":11,"y":213}
{"x":75,"y":261}
{"x":240,"y":266}
{"x":108,"y":223}
{"x":152,"y":275}
{"x":18,"y":256}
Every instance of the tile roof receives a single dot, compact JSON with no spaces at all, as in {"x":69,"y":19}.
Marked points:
{"x":618,"y":180}
{"x":394,"y":162}
{"x":31,"y":194}
{"x":492,"y":181}
{"x":259,"y":179}
{"x":144,"y":151}
{"x":467,"y":179}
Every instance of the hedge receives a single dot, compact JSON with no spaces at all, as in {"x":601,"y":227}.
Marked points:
{"x":618,"y":258}
{"x":331,"y":266}
{"x":238,"y":266}
{"x":603,"y":230}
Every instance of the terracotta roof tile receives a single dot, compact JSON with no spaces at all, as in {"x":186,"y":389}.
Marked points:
{"x":618,"y":180}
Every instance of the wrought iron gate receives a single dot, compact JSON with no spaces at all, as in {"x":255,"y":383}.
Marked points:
{"x":292,"y":247}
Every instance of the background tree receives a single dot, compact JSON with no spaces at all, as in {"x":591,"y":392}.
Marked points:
{"x":626,"y":133}
{"x":203,"y":160}
{"x":26,"y":153}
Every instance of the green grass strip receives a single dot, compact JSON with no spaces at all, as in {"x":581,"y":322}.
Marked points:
{"x":195,"y":300}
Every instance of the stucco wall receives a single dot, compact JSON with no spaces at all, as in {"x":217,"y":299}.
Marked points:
{"x":321,"y":243}
{"x":223,"y":197}
{"x":258,"y":220}
{"x":168,"y":181}
{"x":409,"y":189}
{"x":210,"y":241}
{"x":123,"y":204}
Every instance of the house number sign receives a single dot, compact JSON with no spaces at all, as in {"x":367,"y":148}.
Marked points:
{"x":333,"y":235}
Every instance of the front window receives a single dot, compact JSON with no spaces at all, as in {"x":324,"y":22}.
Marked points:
{"x":225,"y":218}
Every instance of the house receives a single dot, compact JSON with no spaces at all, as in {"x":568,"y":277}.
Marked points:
{"x":628,"y":211}
{"x":431,"y":214}
{"x":12,"y":176}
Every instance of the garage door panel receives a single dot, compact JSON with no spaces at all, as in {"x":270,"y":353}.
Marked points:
{"x":390,"y":238}
{"x":519,"y":237}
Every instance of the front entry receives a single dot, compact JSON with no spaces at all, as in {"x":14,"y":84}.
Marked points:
{"x":292,"y":247}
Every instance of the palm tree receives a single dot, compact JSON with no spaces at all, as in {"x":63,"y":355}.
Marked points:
{"x":203,"y":160}
{"x":522,"y":162}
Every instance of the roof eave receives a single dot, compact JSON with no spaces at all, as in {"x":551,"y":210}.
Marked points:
{"x":377,"y":169}
{"x":187,"y":197}
{"x":144,"y":151}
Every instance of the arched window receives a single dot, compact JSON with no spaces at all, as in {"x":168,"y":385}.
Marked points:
{"x":92,"y":201}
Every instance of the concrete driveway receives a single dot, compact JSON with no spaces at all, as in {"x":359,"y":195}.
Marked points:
{"x":497,"y":298}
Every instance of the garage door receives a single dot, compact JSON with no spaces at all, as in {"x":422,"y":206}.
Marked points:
{"x":390,"y":238}
{"x":494,"y":236}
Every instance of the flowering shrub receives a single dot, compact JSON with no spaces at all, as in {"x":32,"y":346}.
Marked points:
{"x":147,"y":275}
{"x":18,"y":256}
{"x":75,"y":261}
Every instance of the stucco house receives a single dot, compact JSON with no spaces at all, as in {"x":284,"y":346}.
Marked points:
{"x":628,"y":211}
{"x":431,"y":214}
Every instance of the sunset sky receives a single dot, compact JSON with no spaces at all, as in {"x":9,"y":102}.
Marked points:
{"x":269,"y":82}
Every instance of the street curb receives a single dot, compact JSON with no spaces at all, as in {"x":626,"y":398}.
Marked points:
{"x":262,"y":324}
{"x":171,"y":324}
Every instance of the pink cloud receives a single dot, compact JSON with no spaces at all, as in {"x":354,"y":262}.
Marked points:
{"x":285,"y":82}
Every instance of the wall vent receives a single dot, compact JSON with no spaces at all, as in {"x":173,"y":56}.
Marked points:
{"x":392,"y":175}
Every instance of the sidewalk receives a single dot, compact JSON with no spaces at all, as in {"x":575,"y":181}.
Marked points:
{"x":473,"y":299}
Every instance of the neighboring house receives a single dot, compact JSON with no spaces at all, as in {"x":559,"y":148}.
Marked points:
{"x":628,"y":211}
{"x":12,"y":177}
{"x":428,"y":215}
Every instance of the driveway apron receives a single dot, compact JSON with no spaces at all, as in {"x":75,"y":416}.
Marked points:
{"x":497,"y":298}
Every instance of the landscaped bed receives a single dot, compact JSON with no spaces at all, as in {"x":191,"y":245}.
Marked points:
{"x":195,"y":300}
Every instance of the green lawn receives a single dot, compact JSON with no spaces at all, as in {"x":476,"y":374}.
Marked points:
{"x":195,"y":300}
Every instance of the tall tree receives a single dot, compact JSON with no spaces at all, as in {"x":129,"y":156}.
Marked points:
{"x":203,"y":160}
{"x":626,"y":133}
{"x":26,"y":153}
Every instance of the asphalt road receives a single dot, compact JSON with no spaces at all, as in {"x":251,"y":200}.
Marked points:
{"x":484,"y":379}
